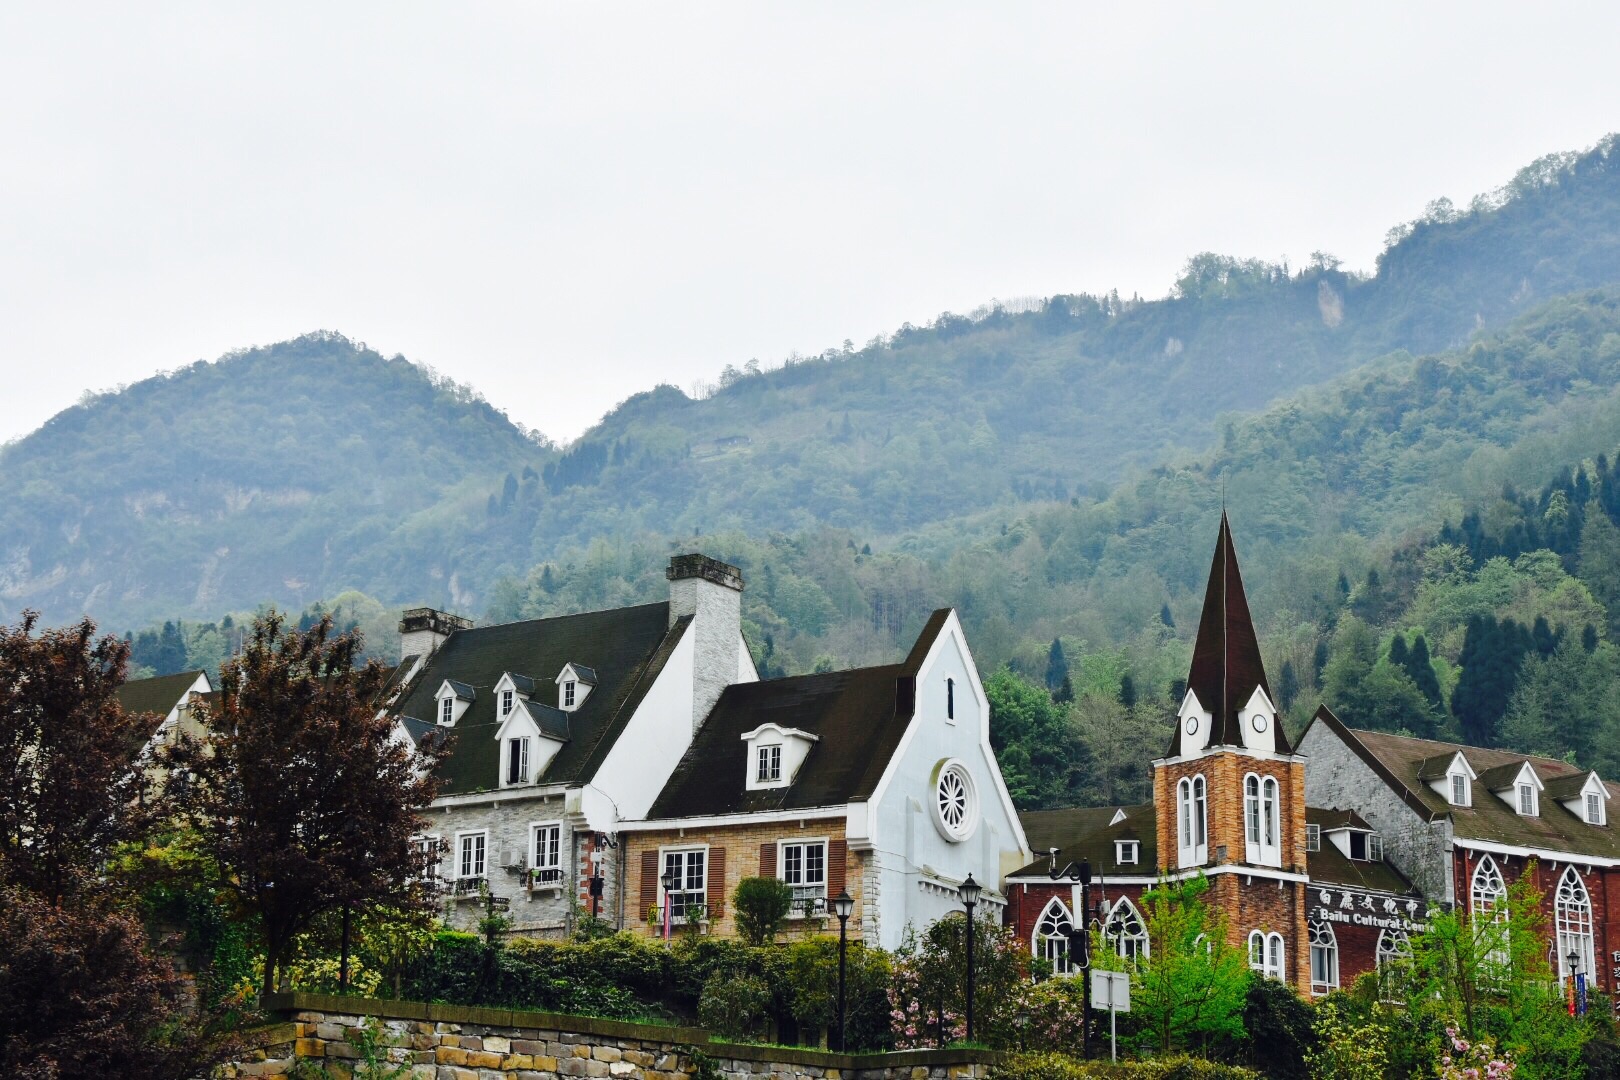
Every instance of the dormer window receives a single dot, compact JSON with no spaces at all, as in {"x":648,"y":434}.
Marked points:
{"x":506,"y":701}
{"x":447,"y":711}
{"x":454,"y":699}
{"x":1594,"y":808}
{"x":1365,"y":846}
{"x":574,"y":685}
{"x":1459,"y":789}
{"x":517,"y":761}
{"x":775,"y":754}
{"x":1527,"y":799}
{"x":1125,"y":851}
{"x":1313,"y":838}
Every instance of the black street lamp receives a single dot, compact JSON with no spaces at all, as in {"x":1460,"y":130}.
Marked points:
{"x":970,"y":890}
{"x":844,"y":907}
{"x":668,"y":881}
{"x":1080,"y":945}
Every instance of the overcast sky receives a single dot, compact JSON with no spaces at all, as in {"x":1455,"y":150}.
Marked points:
{"x":564,"y":204}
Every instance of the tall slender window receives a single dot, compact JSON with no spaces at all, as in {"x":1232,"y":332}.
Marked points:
{"x":1266,"y":954}
{"x":1489,"y":912}
{"x":506,"y":702}
{"x":517,"y":761}
{"x":1051,"y":940}
{"x":950,"y":699}
{"x":1572,"y":912}
{"x":1262,"y":820}
{"x":1192,"y":840}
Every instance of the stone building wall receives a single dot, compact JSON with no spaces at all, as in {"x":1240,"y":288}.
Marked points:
{"x":543,"y":912}
{"x":437,"y":1042}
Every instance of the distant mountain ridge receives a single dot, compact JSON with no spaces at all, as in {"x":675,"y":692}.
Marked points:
{"x":292,"y":472}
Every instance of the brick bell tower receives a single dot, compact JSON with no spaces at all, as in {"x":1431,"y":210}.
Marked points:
{"x":1230,"y":792}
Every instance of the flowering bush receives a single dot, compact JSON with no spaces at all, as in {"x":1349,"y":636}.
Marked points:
{"x":1479,"y":1060}
{"x":1049,"y":1015}
{"x":928,"y":992}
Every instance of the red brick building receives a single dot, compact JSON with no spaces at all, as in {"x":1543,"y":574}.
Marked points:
{"x":1306,"y":892}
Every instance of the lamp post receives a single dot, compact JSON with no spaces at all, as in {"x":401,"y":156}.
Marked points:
{"x":843,"y":906}
{"x":1574,"y":958}
{"x":1080,"y":943}
{"x":669,"y":881}
{"x":970,"y":890}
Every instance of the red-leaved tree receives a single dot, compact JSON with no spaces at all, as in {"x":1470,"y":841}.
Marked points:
{"x":298,"y":788}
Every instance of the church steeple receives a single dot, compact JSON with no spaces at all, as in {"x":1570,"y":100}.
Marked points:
{"x":1226,"y":665}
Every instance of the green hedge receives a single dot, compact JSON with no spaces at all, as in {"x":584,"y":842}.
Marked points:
{"x":1059,"y":1067}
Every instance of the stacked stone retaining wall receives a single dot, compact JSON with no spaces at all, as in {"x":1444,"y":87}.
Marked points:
{"x":444,"y":1042}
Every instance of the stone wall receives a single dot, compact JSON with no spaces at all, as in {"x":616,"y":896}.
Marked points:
{"x":442,"y":1042}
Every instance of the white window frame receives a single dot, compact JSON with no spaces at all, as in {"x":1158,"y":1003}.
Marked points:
{"x":1460,"y":793}
{"x":428,"y":844}
{"x":447,"y":710}
{"x":1126,"y":852}
{"x":1313,"y":838}
{"x":1192,"y":805}
{"x":508,"y":701}
{"x":1324,"y":957}
{"x":1594,"y":808}
{"x":543,"y":869}
{"x":809,"y":897}
{"x":1375,"y":847}
{"x":686,"y":891}
{"x":1050,"y":939}
{"x":570,"y":692}
{"x":1488,"y":911}
{"x":768,"y":763}
{"x":1525,"y":800}
{"x":1391,"y":956}
{"x":515,"y":751}
{"x":464,"y":871}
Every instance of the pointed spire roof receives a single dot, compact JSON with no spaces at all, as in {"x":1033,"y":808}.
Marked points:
{"x":1226,"y":664}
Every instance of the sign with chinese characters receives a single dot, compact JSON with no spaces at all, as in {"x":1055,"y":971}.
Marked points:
{"x":1360,"y":908}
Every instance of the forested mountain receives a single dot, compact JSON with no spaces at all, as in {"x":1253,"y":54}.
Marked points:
{"x":295,"y":472}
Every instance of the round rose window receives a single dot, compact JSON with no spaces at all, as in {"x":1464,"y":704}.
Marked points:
{"x":956,"y":802}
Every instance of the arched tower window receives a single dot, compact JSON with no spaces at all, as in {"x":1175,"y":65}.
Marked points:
{"x":1266,"y":954}
{"x":1051,"y":939}
{"x":1324,"y":958}
{"x":1126,"y":930}
{"x":1192,"y":822}
{"x":1262,"y":817}
{"x":1572,"y":914}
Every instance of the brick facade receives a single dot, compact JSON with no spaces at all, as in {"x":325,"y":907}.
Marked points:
{"x":737,"y":852}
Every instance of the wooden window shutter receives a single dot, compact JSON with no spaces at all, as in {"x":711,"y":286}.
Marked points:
{"x":716,"y":897}
{"x":767,"y":860}
{"x":837,"y":855}
{"x":649,"y":881}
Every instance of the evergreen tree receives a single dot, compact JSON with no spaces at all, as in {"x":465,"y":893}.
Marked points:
{"x":1044,"y":762}
{"x":1343,"y":586}
{"x":1064,"y":694}
{"x":1287,"y":686}
{"x":1165,"y":616}
{"x":1319,"y":659}
{"x":1491,"y":656}
{"x":1542,"y":635}
{"x":1127,"y":690}
{"x":1589,"y":638}
{"x":1421,"y":669}
{"x":1057,"y":666}
{"x":1397,"y":651}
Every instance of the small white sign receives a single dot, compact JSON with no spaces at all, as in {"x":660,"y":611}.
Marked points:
{"x":1111,"y":990}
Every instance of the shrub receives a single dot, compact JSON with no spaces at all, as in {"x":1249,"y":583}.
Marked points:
{"x":760,"y":905}
{"x":1060,"y":1067}
{"x":735,"y":1006}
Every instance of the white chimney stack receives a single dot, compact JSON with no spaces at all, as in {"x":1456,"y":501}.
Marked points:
{"x":710,"y":592}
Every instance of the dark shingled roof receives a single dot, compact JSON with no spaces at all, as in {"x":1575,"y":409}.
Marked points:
{"x":1398,"y":759}
{"x":156,"y":695}
{"x":551,"y":721}
{"x":586,"y":675}
{"x":1332,"y":866}
{"x":1226,"y":666}
{"x":1084,"y":834}
{"x":627,"y":646}
{"x":859,"y":716}
{"x":417,"y":729}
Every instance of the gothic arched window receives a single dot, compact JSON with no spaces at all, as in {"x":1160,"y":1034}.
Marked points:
{"x":1572,"y":915}
{"x":1051,"y":940}
{"x":1126,"y":931}
{"x":1192,"y":822}
{"x":1324,"y":958}
{"x":1489,"y":911}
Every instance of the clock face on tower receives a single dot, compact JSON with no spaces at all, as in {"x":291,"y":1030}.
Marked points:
{"x":1259,"y":721}
{"x":1192,"y":725}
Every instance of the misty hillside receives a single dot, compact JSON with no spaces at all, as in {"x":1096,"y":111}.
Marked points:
{"x":294,"y":472}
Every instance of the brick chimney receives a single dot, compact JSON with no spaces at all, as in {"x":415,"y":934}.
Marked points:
{"x":711,"y":592}
{"x":422,"y":630}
